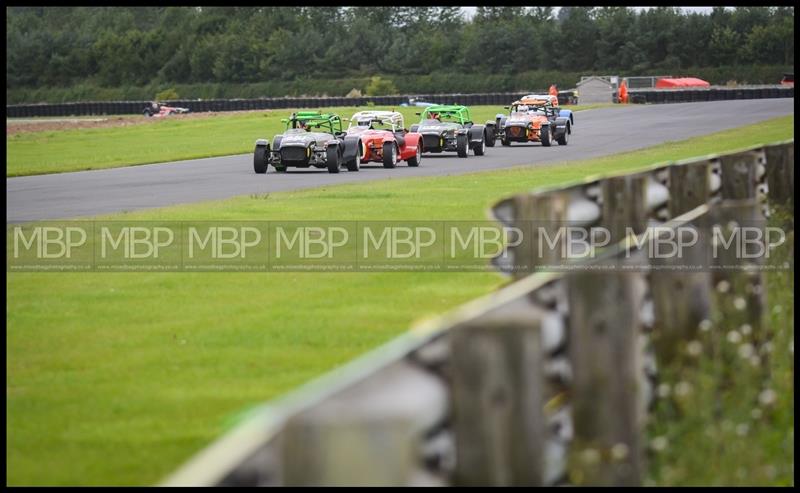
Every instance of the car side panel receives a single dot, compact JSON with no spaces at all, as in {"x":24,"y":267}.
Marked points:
{"x":409,"y":150}
{"x":373,"y":145}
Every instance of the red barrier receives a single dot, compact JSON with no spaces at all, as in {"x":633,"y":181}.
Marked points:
{"x":681,"y":82}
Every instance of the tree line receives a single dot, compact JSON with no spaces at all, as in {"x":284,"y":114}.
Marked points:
{"x":137,"y":46}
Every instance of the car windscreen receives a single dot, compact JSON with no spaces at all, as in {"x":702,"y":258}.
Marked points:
{"x":375,"y":124}
{"x":449,"y":117}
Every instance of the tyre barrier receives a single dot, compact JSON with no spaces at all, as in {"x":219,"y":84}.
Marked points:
{"x":657,"y":96}
{"x":638,"y":96}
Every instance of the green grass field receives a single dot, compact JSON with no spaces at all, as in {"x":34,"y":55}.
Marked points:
{"x":117,"y":378}
{"x":35,"y":153}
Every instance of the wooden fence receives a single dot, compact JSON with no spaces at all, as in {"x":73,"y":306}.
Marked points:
{"x":546,"y":381}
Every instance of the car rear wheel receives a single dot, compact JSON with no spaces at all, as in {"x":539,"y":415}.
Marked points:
{"x":332,"y":159}
{"x":389,"y":155}
{"x":414,"y":161}
{"x":480,"y":149}
{"x":489,"y":136}
{"x":354,"y":164}
{"x":260,"y":159}
{"x":462,"y":145}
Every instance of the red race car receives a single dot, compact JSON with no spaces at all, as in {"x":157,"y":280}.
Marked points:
{"x":384,"y":138}
{"x":159,"y":110}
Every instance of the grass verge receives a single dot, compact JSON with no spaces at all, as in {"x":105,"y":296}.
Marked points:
{"x":170,"y":139}
{"x":726,"y":416}
{"x":117,"y":378}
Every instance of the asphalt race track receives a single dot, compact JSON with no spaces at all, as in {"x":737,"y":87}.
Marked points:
{"x":596,"y":133}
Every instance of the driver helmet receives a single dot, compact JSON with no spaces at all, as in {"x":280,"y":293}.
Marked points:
{"x":435,"y":116}
{"x":523,"y":108}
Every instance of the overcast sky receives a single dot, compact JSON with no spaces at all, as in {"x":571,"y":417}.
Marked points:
{"x":470,"y":11}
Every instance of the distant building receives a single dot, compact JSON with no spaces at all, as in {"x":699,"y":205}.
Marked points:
{"x":595,"y":89}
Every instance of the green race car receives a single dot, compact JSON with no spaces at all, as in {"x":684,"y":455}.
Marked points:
{"x":311,"y":138}
{"x":450,"y":128}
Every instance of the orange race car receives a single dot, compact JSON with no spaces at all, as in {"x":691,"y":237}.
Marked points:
{"x":531,"y":119}
{"x":553,"y":98}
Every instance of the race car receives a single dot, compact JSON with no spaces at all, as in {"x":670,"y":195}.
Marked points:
{"x":554,"y":101}
{"x":311,"y":138}
{"x":159,"y":110}
{"x":530,"y":120}
{"x":450,"y":128}
{"x":384,"y":139}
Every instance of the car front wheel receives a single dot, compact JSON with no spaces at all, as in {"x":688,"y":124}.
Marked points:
{"x":462,"y":145}
{"x":332,"y":159}
{"x":545,"y":135}
{"x":260,"y":162}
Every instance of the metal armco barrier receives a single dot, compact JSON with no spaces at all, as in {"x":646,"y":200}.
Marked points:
{"x":642,"y":96}
{"x":198,"y":105}
{"x":547,"y":381}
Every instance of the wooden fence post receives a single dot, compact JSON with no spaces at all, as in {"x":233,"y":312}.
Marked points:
{"x":368,"y":435}
{"x":624,"y":205}
{"x":547,"y":213}
{"x":739,"y":174}
{"x":607,"y":416}
{"x":514,"y":261}
{"x":522,"y":219}
{"x":682,"y":296}
{"x":528,"y":213}
{"x":498,"y":387}
{"x":681,"y":289}
{"x":780,"y":174}
{"x":689,"y":186}
{"x":340,"y":452}
{"x":540,"y":214}
{"x":738,"y":281}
